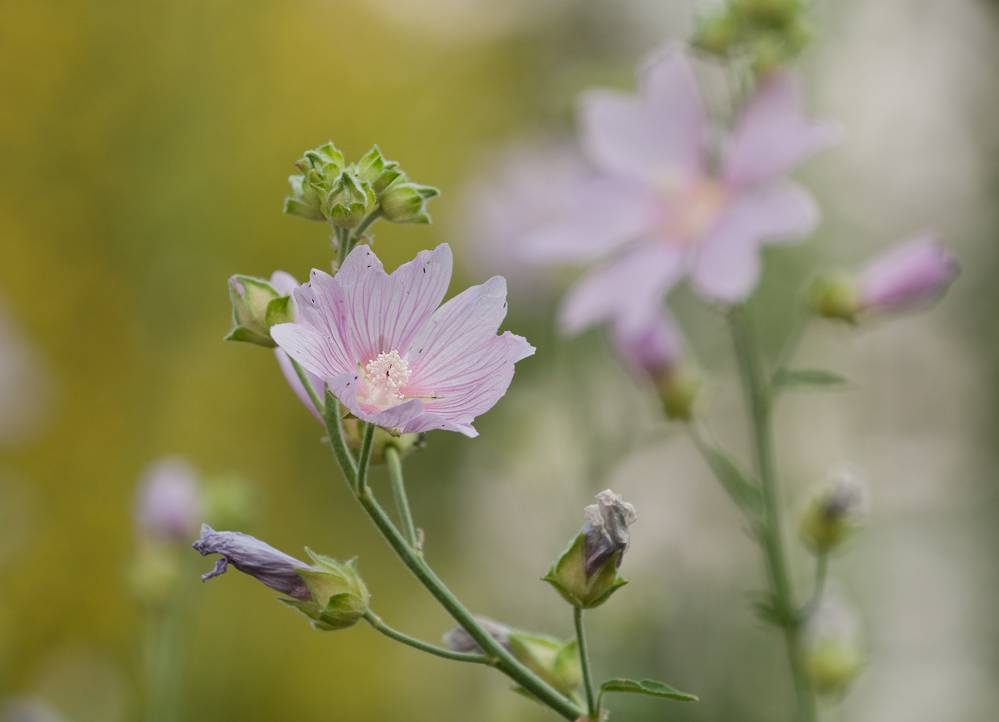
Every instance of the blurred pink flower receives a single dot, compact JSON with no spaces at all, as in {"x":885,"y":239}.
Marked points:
{"x":169,"y":505}
{"x":659,"y":207}
{"x":390,"y":355}
{"x":909,"y":274}
{"x":285,"y":283}
{"x":650,"y":352}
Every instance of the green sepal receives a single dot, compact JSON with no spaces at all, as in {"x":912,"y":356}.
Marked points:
{"x":406,"y":202}
{"x":377,"y":171}
{"x":280,"y":310}
{"x":647,"y":686}
{"x":349,"y":200}
{"x":342,"y":611}
{"x":250,"y":297}
{"x":555,"y":661}
{"x":568,"y":576}
{"x":246,"y":335}
{"x":304,"y":201}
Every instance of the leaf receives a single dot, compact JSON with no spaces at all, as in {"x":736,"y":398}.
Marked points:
{"x":738,"y":487}
{"x":646,"y":686}
{"x":808,"y":377}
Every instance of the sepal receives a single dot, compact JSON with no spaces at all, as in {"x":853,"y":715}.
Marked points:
{"x":556,"y":662}
{"x":406,"y":202}
{"x":568,"y":576}
{"x":250,"y":298}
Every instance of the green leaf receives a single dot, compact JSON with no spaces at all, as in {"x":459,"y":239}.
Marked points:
{"x":808,"y":377}
{"x":646,"y":686}
{"x":735,"y":482}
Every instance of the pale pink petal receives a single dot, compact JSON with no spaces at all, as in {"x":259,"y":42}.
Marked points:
{"x":345,"y":388}
{"x":727,"y":267}
{"x":773,"y":135}
{"x":296,"y":383}
{"x":910,"y":273}
{"x":651,"y":349}
{"x":431,"y":422}
{"x":321,"y":305}
{"x":283,"y":283}
{"x":388,"y":311}
{"x":312,"y":349}
{"x":662,"y":131}
{"x":628,"y":290}
{"x":602,"y":214}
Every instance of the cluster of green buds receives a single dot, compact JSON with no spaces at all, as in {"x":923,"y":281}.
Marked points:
{"x":256,"y":306}
{"x":836,"y":512}
{"x":553,"y":660}
{"x":586,"y":574}
{"x":347,"y":195}
{"x":768,"y":33}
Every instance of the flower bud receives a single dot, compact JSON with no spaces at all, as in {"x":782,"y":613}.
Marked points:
{"x":837,"y":512}
{"x":320,"y":169}
{"x":374,"y":169}
{"x":834,"y":296}
{"x":654,"y":353}
{"x":833,"y":653}
{"x":767,"y":14}
{"x":718,"y":33}
{"x":556,"y":662}
{"x":331,"y":594}
{"x":586,"y":573}
{"x":403,"y":443}
{"x":250,"y":301}
{"x":349,"y":200}
{"x":170,"y":505}
{"x":406,"y":202}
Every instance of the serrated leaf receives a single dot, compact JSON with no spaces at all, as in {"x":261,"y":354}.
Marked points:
{"x":647,"y":686}
{"x":808,"y":377}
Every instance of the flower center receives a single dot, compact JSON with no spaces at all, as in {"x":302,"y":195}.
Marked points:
{"x":386,"y":375}
{"x":695,"y":206}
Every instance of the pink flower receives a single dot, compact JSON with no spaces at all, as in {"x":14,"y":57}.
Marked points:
{"x":659,"y":209}
{"x":169,"y":505}
{"x":909,"y":274}
{"x":390,"y":355}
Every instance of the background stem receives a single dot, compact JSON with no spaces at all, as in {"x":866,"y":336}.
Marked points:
{"x":584,"y":661}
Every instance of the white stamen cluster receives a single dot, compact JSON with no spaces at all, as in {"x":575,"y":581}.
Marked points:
{"x":387,"y":374}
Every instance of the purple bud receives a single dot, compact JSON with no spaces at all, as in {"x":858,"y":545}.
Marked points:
{"x":459,"y":640}
{"x":606,"y":530}
{"x":169,"y":504}
{"x":909,"y":274}
{"x":252,"y":556}
{"x":653,"y":350}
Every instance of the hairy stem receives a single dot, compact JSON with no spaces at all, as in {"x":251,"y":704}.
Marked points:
{"x":759,"y":401}
{"x":375,"y":621}
{"x":584,"y":660}
{"x":394,"y":463}
{"x":308,"y":386}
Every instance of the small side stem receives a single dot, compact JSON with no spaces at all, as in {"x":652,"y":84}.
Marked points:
{"x":399,"y":492}
{"x":365,"y":461}
{"x":309,"y":389}
{"x":584,"y":660}
{"x":376,"y":622}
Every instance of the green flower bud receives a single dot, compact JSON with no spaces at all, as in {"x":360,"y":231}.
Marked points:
{"x":250,"y":299}
{"x":377,"y":171}
{"x":679,"y":389}
{"x":586,"y":574}
{"x":769,"y":52}
{"x":349,"y":200}
{"x":835,"y":296}
{"x":339,"y":596}
{"x":320,"y":169}
{"x":556,"y":662}
{"x":768,"y":14}
{"x":833,"y":653}
{"x":406,"y":202}
{"x":837,"y":513}
{"x":718,"y":33}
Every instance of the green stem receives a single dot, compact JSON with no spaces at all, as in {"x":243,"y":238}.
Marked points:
{"x":502,"y":659}
{"x":365,"y":460}
{"x":334,"y":428}
{"x":375,"y":621}
{"x":394,"y":463}
{"x":356,"y":235}
{"x":343,"y":243}
{"x":584,"y":660}
{"x":759,"y":400}
{"x":309,"y":389}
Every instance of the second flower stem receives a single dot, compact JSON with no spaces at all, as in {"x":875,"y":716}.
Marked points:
{"x":394,"y":464}
{"x":584,"y":662}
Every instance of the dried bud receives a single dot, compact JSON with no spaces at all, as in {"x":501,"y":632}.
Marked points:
{"x":170,"y":505}
{"x":833,"y":652}
{"x":838,"y":512}
{"x":586,"y":573}
{"x":459,"y":640}
{"x":330,"y":593}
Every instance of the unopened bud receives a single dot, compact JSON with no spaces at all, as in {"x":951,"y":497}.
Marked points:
{"x":833,"y":653}
{"x":717,"y":34}
{"x":250,"y":299}
{"x":320,"y":168}
{"x":587,"y":572}
{"x":406,"y":202}
{"x":555,"y":661}
{"x":349,"y":200}
{"x":374,"y":169}
{"x":836,"y":513}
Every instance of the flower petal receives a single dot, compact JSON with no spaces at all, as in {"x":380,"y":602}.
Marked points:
{"x":773,"y":136}
{"x":388,"y":311}
{"x":908,"y":274}
{"x":315,"y":351}
{"x":727,"y":267}
{"x":601,"y":214}
{"x":321,"y":306}
{"x":663,"y":130}
{"x":284,"y":361}
{"x":283,"y":283}
{"x":628,"y":289}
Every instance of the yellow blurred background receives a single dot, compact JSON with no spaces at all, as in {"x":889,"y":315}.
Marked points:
{"x":145,"y":149}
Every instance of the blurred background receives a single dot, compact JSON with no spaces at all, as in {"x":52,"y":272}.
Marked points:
{"x":145,"y":149}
